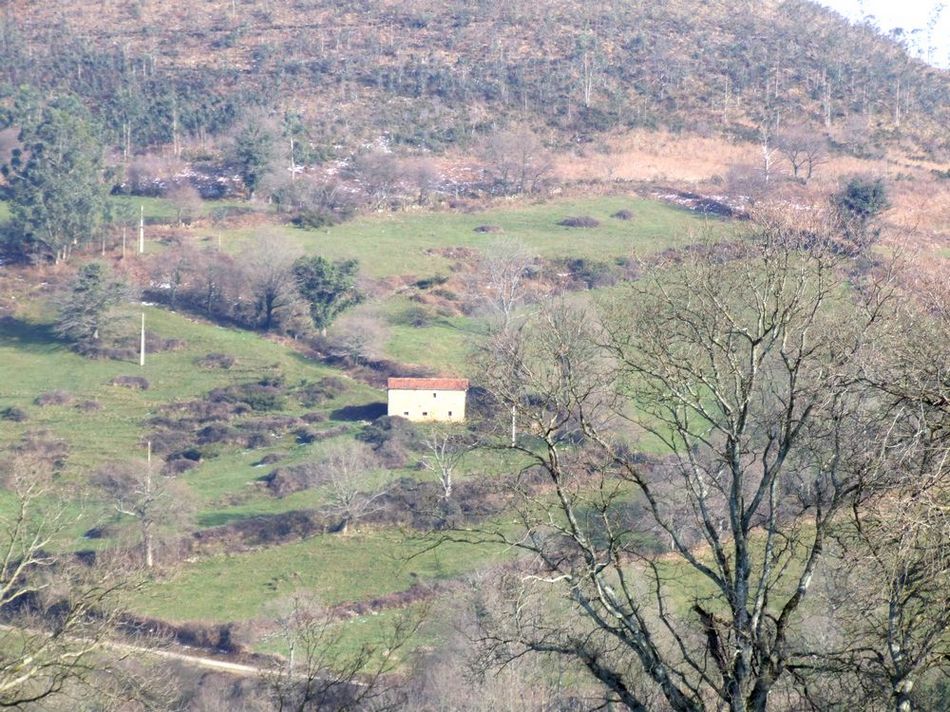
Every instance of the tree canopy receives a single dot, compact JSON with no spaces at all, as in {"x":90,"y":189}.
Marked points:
{"x":58,"y":198}
{"x":328,"y":287}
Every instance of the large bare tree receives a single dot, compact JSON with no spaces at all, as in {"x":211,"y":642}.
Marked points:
{"x":320,"y":672}
{"x":57,"y":612}
{"x":746,"y":372}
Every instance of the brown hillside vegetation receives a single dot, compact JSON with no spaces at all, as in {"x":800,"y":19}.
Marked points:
{"x":429,"y":74}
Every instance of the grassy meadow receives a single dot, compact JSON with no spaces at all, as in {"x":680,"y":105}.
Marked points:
{"x":225,"y":487}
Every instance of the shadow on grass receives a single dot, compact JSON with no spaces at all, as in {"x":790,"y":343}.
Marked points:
{"x":366,"y":411}
{"x":29,"y":336}
{"x":217,"y":519}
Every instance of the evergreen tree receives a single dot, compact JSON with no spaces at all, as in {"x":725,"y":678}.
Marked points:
{"x":328,"y":287}
{"x":254,"y":153}
{"x":58,"y":199}
{"x":84,"y":307}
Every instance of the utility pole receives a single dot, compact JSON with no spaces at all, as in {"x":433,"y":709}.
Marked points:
{"x":141,"y":229}
{"x":142,"y":350}
{"x":147,"y":521}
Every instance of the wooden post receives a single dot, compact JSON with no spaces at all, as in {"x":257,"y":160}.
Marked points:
{"x":141,"y":229}
{"x":124,"y":230}
{"x":142,"y":343}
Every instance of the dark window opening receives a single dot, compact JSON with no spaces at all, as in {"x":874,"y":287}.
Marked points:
{"x":450,"y":413}
{"x":424,"y":413}
{"x":405,"y":412}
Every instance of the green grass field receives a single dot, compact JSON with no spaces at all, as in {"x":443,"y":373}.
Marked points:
{"x":226,"y":486}
{"x":407,"y":243}
{"x":33,"y":361}
{"x":336,"y":569}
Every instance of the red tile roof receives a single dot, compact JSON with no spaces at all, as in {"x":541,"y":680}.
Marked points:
{"x":428,"y":384}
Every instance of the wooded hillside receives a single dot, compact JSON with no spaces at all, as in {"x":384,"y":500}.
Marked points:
{"x":430,"y":74}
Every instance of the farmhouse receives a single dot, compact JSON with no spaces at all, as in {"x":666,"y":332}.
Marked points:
{"x":422,"y":399}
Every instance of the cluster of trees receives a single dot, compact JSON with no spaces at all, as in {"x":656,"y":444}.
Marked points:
{"x":265,"y":287}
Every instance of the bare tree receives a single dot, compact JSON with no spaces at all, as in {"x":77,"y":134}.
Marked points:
{"x":318,"y":673}
{"x":267,"y":267}
{"x":360,"y":338}
{"x":345,"y":467}
{"x":423,"y":175}
{"x":445,"y":451}
{"x":380,"y":174}
{"x":516,"y":161}
{"x":894,"y":604}
{"x":501,"y":280}
{"x":153,"y":500}
{"x":747,"y":373}
{"x":58,"y":613}
{"x":804,"y":149}
{"x":187,"y":201}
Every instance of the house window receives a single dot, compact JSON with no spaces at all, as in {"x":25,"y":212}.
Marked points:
{"x":450,"y":413}
{"x":405,"y":412}
{"x":433,"y":395}
{"x":424,"y":413}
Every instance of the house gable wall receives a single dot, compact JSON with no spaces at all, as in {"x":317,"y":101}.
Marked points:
{"x":427,"y":405}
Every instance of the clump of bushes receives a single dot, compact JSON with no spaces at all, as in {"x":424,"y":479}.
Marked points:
{"x":216,"y":360}
{"x":53,"y":398}
{"x":489,"y":229}
{"x":135,"y":382}
{"x":416,"y":316}
{"x":266,"y":394}
{"x":287,"y":480}
{"x":173,"y":468}
{"x":13,"y":414}
{"x":623,"y":215}
{"x":392,"y":439}
{"x":579,"y":221}
{"x":88,"y":406}
{"x":43,"y":445}
{"x":311,"y":394}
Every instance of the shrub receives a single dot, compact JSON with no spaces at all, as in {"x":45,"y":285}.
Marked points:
{"x":266,"y":394}
{"x":579,"y":221}
{"x":14,"y":414}
{"x":312,"y":394}
{"x":415,"y":316}
{"x":88,"y":406}
{"x":53,"y":398}
{"x":178,"y":467}
{"x":216,"y":360}
{"x":135,"y":382}
{"x":287,"y":480}
{"x":429,"y":282}
{"x":490,"y":229}
{"x":623,"y":215}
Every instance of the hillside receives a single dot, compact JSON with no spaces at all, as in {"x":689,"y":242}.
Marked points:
{"x":430,"y":75}
{"x":690,"y":255}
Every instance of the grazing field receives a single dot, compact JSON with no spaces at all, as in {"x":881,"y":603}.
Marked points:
{"x":33,"y":361}
{"x":410,"y":243}
{"x":69,"y":398}
{"x":336,"y":569}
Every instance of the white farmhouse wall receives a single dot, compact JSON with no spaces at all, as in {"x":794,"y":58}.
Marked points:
{"x":419,"y":405}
